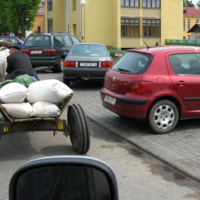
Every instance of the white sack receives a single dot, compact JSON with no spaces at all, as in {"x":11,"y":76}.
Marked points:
{"x":3,"y":63}
{"x":52,"y":91}
{"x":45,"y":109}
{"x":18,"y":110}
{"x":13,"y":93}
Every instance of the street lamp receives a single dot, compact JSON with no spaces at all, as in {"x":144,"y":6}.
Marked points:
{"x":82,"y":3}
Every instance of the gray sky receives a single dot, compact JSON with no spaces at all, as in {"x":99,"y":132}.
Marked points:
{"x":195,"y":2}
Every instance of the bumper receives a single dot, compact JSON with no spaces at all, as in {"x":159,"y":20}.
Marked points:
{"x":128,"y":105}
{"x":84,"y":73}
{"x":43,"y":61}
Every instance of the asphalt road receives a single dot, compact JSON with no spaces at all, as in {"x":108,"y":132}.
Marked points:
{"x":139,"y":175}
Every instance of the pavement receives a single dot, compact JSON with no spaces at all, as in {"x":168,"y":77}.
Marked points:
{"x":179,"y":149}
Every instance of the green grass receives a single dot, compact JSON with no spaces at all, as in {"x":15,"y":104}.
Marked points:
{"x":116,"y":51}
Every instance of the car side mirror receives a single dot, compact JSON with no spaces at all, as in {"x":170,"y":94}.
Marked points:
{"x":64,"y":177}
{"x":112,"y":53}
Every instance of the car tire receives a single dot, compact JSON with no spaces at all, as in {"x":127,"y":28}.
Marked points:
{"x":163,"y":116}
{"x":59,"y":66}
{"x":66,"y":81}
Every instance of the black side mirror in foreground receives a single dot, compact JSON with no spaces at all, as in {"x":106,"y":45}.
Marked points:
{"x":64,"y":178}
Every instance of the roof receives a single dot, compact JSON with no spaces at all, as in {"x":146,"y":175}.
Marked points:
{"x":189,"y":11}
{"x":195,"y":28}
{"x":41,"y":11}
{"x":152,"y":50}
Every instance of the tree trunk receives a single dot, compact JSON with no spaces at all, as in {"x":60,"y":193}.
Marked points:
{"x":23,"y":24}
{"x":5,"y":30}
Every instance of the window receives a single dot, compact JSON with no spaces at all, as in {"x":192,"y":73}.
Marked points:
{"x":58,"y":41}
{"x":197,"y":21}
{"x":133,"y":63}
{"x":188,"y":24}
{"x":50,"y":5}
{"x":151,"y":3}
{"x":74,"y":39}
{"x":188,"y":37}
{"x":130,"y":3}
{"x":187,"y":64}
{"x":50,"y":26}
{"x":67,"y":40}
{"x":74,"y":4}
{"x":151,"y":28}
{"x":183,"y":24}
{"x":130,"y":27}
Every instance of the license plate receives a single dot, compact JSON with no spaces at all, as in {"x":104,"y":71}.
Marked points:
{"x":83,"y":64}
{"x":110,"y":100}
{"x":36,"y":52}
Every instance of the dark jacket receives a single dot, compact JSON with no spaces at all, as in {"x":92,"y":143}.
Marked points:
{"x":19,"y":64}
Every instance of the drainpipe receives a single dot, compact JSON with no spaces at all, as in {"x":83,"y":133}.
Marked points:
{"x":66,"y":16}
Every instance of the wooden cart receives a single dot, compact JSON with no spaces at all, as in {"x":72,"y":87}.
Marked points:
{"x":75,"y":126}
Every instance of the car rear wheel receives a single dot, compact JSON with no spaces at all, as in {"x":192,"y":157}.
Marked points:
{"x":163,"y":116}
{"x":59,"y":66}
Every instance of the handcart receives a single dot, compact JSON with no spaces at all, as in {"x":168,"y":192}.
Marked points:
{"x":75,"y":126}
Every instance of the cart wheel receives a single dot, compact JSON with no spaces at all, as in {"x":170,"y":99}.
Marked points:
{"x":79,"y":136}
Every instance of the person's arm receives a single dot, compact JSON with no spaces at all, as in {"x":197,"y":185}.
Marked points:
{"x":9,"y":66}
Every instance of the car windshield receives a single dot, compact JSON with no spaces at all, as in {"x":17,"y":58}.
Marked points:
{"x":134,"y":63}
{"x":38,"y":41}
{"x":89,"y":50}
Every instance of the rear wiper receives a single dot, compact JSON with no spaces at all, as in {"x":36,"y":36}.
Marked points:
{"x":124,"y":70}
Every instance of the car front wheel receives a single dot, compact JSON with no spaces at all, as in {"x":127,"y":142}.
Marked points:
{"x":163,"y":116}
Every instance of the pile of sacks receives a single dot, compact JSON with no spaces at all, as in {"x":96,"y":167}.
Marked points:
{"x":40,"y":99}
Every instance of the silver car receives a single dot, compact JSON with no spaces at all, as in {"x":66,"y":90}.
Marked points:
{"x":86,"y":61}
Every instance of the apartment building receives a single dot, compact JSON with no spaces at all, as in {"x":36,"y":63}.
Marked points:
{"x":117,"y":23}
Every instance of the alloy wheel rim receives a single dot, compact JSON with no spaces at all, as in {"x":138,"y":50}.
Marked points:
{"x":164,"y":116}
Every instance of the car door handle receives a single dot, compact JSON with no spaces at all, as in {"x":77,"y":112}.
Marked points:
{"x":180,"y":83}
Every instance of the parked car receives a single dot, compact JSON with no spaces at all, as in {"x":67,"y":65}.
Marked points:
{"x":12,"y":39}
{"x":86,"y":61}
{"x":48,"y":49}
{"x":159,"y":84}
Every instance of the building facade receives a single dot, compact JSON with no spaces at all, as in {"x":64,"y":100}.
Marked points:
{"x":117,"y":23}
{"x":191,"y":16}
{"x":39,"y":24}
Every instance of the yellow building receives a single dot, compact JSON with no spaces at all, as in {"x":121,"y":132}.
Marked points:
{"x":39,"y":24}
{"x":191,"y":16}
{"x":117,"y":23}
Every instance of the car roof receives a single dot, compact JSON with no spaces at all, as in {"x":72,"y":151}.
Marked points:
{"x":62,"y":33}
{"x":89,"y":44}
{"x":152,"y":50}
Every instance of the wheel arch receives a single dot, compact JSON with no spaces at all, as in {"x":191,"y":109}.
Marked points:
{"x":170,"y":98}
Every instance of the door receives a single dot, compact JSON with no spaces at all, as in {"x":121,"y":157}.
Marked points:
{"x":184,"y":69}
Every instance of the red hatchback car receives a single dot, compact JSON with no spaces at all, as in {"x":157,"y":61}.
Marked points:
{"x":159,"y":84}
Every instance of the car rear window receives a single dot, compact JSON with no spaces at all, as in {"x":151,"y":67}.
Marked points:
{"x":38,"y":41}
{"x":133,"y":63}
{"x":89,"y":50}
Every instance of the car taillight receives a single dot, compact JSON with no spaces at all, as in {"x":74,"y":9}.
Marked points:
{"x":26,"y":51}
{"x":70,"y":64}
{"x":106,"y":64}
{"x":139,"y":87}
{"x":49,"y":51}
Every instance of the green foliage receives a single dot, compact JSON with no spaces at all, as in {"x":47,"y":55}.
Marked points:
{"x":188,"y":3}
{"x":156,"y":43}
{"x":14,"y":12}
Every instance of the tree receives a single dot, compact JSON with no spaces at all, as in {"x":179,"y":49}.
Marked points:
{"x":198,"y":4}
{"x":188,"y":3}
{"x":19,"y":14}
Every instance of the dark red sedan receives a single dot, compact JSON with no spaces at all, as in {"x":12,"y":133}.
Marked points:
{"x":158,"y":84}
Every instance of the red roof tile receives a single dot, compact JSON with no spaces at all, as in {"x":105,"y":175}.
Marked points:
{"x":188,"y":11}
